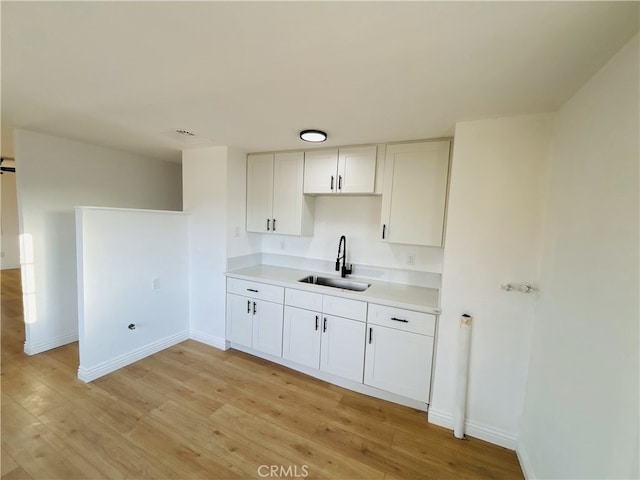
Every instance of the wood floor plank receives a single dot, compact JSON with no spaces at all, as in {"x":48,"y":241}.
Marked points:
{"x":110,"y":452}
{"x":180,"y":453}
{"x":194,"y":411}
{"x":300,"y":450}
{"x":38,"y":450}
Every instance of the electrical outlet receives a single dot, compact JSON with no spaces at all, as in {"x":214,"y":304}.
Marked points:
{"x":411,"y":259}
{"x":155,"y":284}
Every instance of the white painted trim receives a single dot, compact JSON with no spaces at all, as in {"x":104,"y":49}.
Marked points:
{"x":341,"y":382}
{"x":525,"y":462}
{"x":141,"y":210}
{"x":475,"y":429}
{"x":90,"y":374}
{"x":35,"y":348}
{"x":207,"y":339}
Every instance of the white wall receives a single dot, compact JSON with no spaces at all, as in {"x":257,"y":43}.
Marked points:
{"x":494,"y":231}
{"x":357,"y":217}
{"x":581,"y":413}
{"x":204,"y":177}
{"x":9,"y":246}
{"x":132,"y":269}
{"x":53,"y":176}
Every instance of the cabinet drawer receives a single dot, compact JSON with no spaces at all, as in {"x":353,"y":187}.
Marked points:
{"x":257,"y":290}
{"x":343,"y":307}
{"x":400,"y":319}
{"x":302,"y":299}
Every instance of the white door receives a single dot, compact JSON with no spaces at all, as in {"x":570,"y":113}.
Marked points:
{"x":288,"y":176}
{"x":357,"y":169}
{"x":320,"y":171}
{"x":399,"y":362}
{"x":239,"y":319}
{"x":259,"y":192}
{"x":413,"y":201}
{"x":267,"y":327}
{"x":342,"y":347}
{"x":301,"y":336}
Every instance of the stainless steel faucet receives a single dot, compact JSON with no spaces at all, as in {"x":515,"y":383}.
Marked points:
{"x":342,"y":248}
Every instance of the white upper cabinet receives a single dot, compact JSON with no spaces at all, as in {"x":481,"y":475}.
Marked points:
{"x":320,"y":171}
{"x":275,"y":202}
{"x":347,"y":170}
{"x":259,"y":192}
{"x":415,"y":192}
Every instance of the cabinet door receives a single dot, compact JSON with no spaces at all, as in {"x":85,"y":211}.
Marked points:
{"x":342,"y":347}
{"x":413,"y":201}
{"x":259,"y":192}
{"x":239,"y":319}
{"x":267,"y":327}
{"x":357,"y":169}
{"x":320,"y":170}
{"x":301,"y":336}
{"x":288,"y":200}
{"x":399,"y":362}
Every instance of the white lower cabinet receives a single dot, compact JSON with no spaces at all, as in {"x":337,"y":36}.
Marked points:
{"x":239,"y":319}
{"x":267,"y":327}
{"x":342,"y":347}
{"x":399,"y":351}
{"x":319,"y":340}
{"x":384,"y":347}
{"x":399,"y":362}
{"x":255,"y":321}
{"x":301,"y":336}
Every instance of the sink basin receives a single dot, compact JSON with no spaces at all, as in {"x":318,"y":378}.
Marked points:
{"x":336,"y":283}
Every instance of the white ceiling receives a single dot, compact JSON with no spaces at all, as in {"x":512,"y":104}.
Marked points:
{"x":252,"y":75}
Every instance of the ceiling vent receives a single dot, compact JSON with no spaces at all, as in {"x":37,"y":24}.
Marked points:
{"x":186,"y":138}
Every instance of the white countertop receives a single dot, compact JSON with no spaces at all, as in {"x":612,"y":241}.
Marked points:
{"x":421,"y":299}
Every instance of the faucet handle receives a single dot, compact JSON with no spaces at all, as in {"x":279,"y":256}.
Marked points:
{"x":347,"y":270}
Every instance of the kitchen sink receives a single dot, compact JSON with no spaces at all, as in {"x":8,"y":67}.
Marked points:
{"x":336,"y":283}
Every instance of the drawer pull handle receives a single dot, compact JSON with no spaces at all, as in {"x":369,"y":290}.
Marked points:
{"x":332,"y":183}
{"x":254,"y":308}
{"x":340,"y":182}
{"x":317,"y":322}
{"x":399,"y":320}
{"x":324,"y":325}
{"x":252,"y":290}
{"x":370,"y":335}
{"x":268,"y":222}
{"x":248,"y":306}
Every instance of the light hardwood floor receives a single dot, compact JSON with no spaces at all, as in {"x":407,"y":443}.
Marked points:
{"x":193,"y":411}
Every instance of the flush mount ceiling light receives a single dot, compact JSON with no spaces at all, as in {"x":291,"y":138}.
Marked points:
{"x":313,"y":136}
